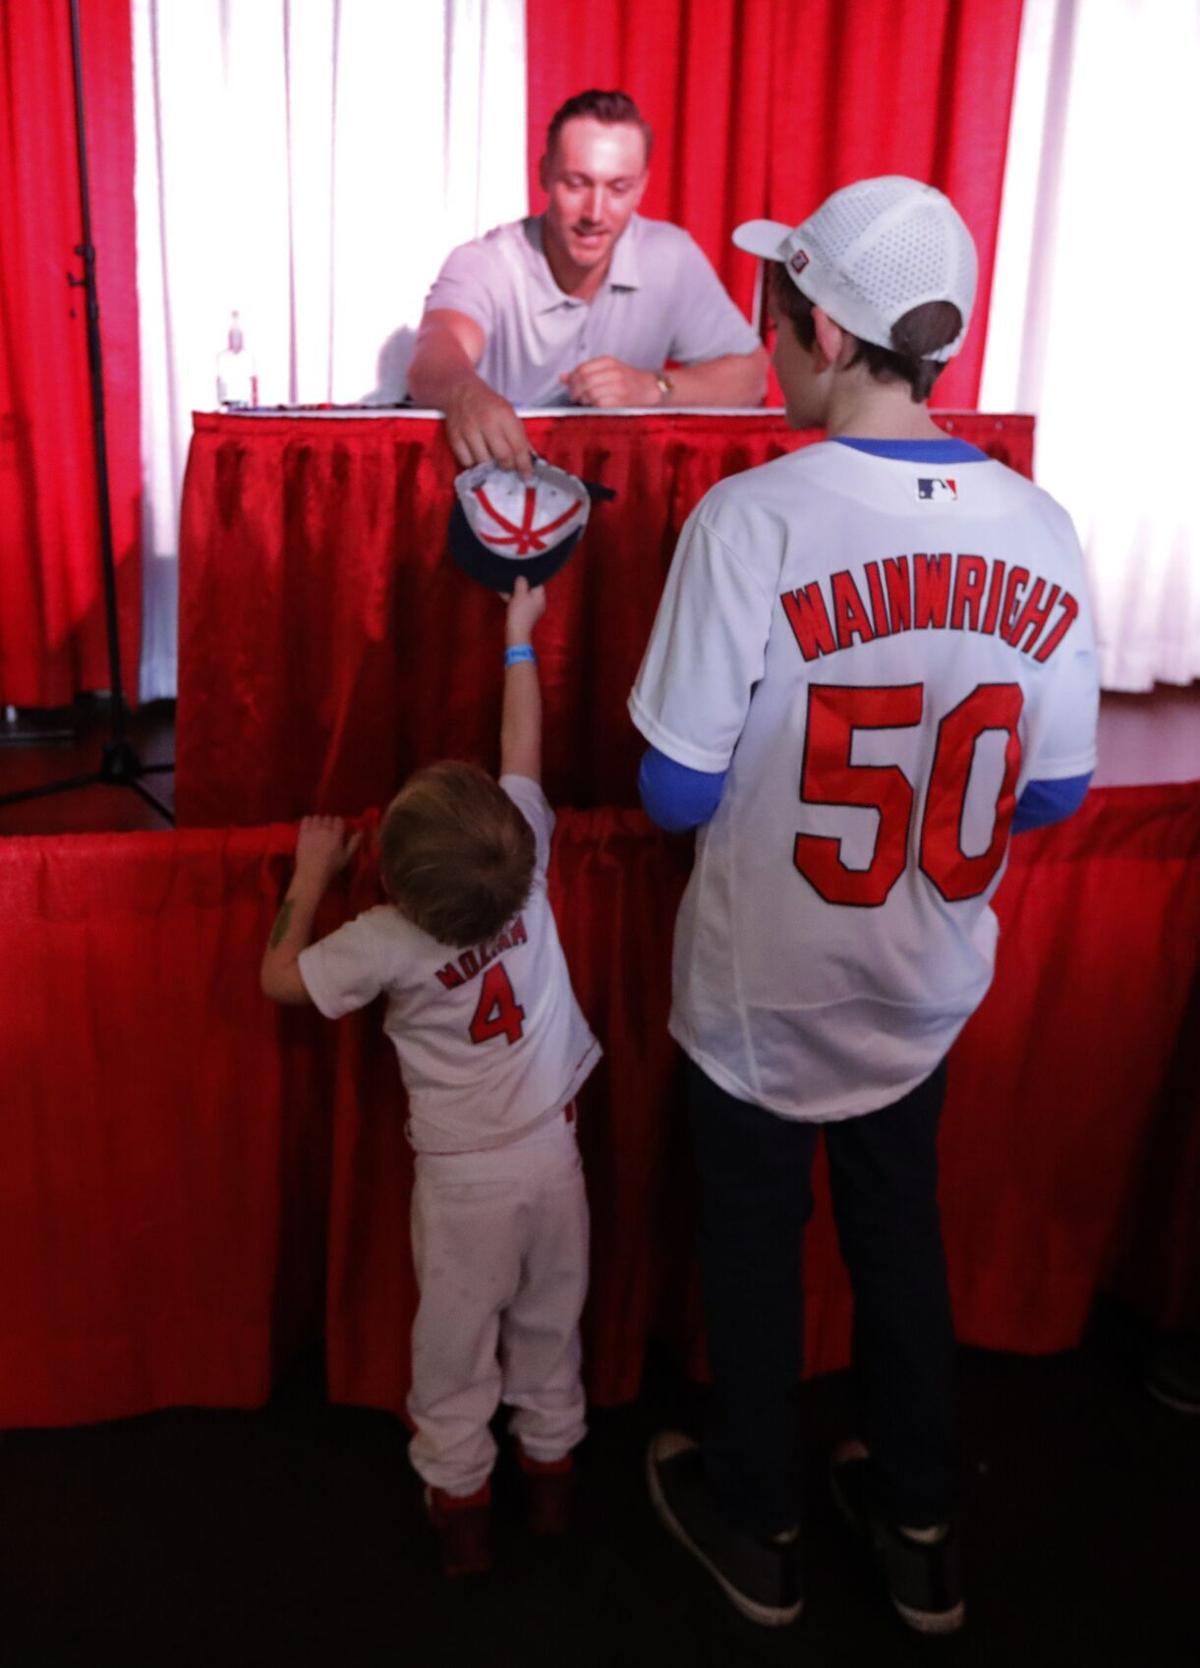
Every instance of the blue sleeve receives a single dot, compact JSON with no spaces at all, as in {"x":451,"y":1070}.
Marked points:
{"x":673,"y":795}
{"x":1047,"y":802}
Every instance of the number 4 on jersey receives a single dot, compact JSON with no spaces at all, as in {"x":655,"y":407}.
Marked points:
{"x":497,"y":1012}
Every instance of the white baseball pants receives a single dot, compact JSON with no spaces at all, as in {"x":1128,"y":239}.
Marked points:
{"x":500,"y":1244}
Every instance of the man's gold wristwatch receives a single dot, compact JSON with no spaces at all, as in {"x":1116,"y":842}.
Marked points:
{"x":665,"y":386}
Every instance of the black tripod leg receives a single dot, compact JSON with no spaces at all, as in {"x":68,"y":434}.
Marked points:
{"x":51,"y":787}
{"x":120,"y":765}
{"x":152,"y":799}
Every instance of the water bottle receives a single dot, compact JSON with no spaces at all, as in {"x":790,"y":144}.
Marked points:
{"x":237,"y":383}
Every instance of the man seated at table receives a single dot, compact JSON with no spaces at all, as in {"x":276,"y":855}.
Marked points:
{"x":585,"y":303}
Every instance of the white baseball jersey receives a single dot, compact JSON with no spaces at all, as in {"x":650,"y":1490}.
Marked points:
{"x":882,"y":653}
{"x":490,"y":1039}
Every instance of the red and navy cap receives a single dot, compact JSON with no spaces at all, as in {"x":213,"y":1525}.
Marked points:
{"x":503,"y":528}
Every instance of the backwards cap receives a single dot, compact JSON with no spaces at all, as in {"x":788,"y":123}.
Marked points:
{"x":874,"y":251}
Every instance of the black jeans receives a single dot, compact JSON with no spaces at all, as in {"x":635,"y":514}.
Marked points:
{"x":756,"y":1197}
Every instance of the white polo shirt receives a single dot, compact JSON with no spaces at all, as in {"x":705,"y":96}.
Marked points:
{"x":490,"y":1039}
{"x":660,"y":301}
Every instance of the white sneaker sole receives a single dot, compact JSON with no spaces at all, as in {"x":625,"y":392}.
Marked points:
{"x":766,"y":1615}
{"x":1174,"y":1402}
{"x":932,"y":1621}
{"x":921,"y":1621}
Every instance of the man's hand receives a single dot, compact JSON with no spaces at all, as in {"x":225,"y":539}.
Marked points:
{"x":481,"y":425}
{"x":322,"y":851}
{"x":525,"y":609}
{"x":609,"y":381}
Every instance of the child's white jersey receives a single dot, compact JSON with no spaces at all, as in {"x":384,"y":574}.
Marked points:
{"x":882,"y":652}
{"x":490,"y":1039}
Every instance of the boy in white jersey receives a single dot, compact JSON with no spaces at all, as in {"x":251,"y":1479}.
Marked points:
{"x":493,"y":1049}
{"x":872,"y":662}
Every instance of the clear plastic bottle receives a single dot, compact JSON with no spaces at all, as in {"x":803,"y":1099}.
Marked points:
{"x":237,"y":381}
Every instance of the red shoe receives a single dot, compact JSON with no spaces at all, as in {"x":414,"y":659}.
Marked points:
{"x":549,"y":1492}
{"x":463,"y":1526}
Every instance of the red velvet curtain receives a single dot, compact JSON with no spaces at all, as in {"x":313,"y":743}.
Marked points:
{"x":183,"y":1164}
{"x":763,"y":107}
{"x":328,"y":645}
{"x":52,"y":630}
{"x":1076,"y":1134}
{"x":165,"y":1137}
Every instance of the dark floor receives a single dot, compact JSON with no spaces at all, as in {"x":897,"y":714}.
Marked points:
{"x":295,"y":1536}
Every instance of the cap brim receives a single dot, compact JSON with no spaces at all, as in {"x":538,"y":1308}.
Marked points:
{"x":763,"y":238}
{"x":500,"y":573}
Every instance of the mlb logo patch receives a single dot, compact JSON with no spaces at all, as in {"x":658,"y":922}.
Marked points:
{"x":930,"y":487}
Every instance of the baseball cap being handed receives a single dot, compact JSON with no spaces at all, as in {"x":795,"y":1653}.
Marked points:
{"x":503,"y":527}
{"x":874,"y":251}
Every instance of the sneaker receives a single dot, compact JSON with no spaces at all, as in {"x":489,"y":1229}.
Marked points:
{"x":924,"y":1578}
{"x":549,"y":1492}
{"x":1173,"y":1373}
{"x":463,"y":1526}
{"x":761,"y":1578}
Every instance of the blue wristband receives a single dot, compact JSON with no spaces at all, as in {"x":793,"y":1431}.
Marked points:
{"x":517,"y":652}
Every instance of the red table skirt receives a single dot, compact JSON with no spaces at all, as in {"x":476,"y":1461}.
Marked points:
{"x":328,"y":646}
{"x":194,"y":1182}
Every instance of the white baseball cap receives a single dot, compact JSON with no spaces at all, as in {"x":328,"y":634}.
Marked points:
{"x":874,"y":251}
{"x":503,"y":527}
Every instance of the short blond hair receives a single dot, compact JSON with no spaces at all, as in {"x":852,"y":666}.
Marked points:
{"x":456,"y":855}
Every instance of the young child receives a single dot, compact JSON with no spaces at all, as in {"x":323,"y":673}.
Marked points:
{"x":873,"y":661}
{"x":493,"y":1049}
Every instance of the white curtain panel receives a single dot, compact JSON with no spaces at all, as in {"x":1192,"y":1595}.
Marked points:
{"x":307,"y":163}
{"x":1094,"y":323}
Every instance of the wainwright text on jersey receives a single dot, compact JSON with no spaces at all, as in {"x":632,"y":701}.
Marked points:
{"x":923,"y":592}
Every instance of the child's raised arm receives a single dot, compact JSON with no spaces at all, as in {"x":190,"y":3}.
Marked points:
{"x":322,"y":850}
{"x":521,"y":715}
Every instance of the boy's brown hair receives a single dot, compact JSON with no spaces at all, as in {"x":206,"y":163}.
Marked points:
{"x":456,"y":855}
{"x":919,"y":332}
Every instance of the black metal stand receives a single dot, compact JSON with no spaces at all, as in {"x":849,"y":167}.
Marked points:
{"x":119,"y":764}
